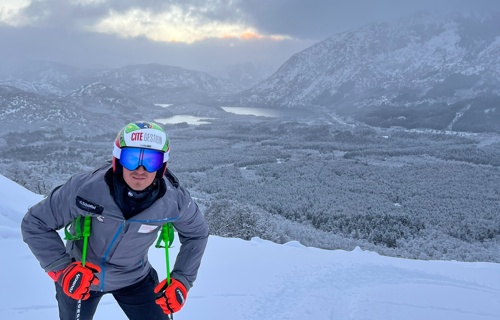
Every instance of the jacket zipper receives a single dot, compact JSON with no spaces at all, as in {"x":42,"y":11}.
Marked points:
{"x":103,"y":260}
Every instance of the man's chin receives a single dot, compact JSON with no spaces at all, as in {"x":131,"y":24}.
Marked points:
{"x":138,"y":187}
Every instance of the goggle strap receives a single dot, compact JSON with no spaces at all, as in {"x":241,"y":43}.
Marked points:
{"x":116,"y":151}
{"x":166,"y":155}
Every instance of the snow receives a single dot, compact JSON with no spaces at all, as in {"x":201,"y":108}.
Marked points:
{"x":259,"y":279}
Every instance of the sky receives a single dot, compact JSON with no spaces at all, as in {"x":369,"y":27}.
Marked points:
{"x":258,"y":279}
{"x":194,"y":34}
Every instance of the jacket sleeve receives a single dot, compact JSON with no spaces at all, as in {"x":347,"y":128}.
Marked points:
{"x":40,"y":224}
{"x":192,"y":230}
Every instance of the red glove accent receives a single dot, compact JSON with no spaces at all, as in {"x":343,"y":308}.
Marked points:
{"x":55,"y":275}
{"x":171,"y":297}
{"x":77,"y":279}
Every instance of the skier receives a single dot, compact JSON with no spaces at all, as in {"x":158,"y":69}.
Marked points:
{"x":128,"y":202}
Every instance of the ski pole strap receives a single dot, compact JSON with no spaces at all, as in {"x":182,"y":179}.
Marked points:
{"x":166,"y":235}
{"x":78,"y":230}
{"x":79,"y":233}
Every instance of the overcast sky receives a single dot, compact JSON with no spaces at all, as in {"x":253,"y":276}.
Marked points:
{"x":194,"y":34}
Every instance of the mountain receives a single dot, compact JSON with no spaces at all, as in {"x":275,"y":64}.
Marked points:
{"x":258,"y":279}
{"x":19,"y":108}
{"x":85,"y":109}
{"x":100,"y":98}
{"x":244,"y":75}
{"x":154,"y":83}
{"x":47,"y":78}
{"x":428,"y":71}
{"x":164,"y":84}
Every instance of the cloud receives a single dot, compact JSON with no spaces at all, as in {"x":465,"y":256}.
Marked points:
{"x":175,"y":25}
{"x":190,"y":33}
{"x":170,"y":21}
{"x":11,"y":12}
{"x":196,"y":20}
{"x":324,"y":18}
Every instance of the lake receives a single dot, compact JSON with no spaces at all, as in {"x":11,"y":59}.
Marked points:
{"x":183,"y":118}
{"x":260,"y":112}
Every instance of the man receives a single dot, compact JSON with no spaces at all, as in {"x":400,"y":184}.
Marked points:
{"x":128,"y":201}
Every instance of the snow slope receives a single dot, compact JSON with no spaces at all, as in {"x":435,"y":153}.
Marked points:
{"x":258,"y":279}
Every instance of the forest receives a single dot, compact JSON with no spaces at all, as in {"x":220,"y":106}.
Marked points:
{"x":421,"y":194}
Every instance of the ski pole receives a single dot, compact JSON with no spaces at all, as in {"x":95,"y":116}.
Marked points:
{"x":167,"y":235}
{"x":86,"y":234}
{"x":166,"y":230}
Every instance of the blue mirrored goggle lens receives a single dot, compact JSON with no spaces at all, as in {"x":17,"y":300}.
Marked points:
{"x":132,"y":158}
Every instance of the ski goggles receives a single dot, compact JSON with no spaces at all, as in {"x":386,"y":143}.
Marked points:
{"x":133,"y":158}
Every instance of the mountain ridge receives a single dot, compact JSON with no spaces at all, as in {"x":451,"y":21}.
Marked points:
{"x":428,"y":63}
{"x":425,"y":71}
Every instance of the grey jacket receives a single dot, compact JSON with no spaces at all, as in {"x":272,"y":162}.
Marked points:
{"x":118,"y":246}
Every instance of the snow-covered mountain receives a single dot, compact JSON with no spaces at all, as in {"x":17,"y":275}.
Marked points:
{"x":151,"y":82}
{"x":100,"y":98}
{"x":426,"y":71}
{"x":165,"y":84}
{"x":78,"y":111}
{"x":422,"y":71}
{"x":19,"y":108}
{"x":47,"y":78}
{"x":244,"y":75}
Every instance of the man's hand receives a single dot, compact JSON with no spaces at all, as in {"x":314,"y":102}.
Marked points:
{"x":76,"y":279}
{"x":171,"y":297}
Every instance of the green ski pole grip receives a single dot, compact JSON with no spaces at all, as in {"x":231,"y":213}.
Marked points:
{"x":165,"y":231}
{"x":86,"y":234}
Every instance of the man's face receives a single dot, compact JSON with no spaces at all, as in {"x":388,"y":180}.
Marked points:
{"x":138,"y":179}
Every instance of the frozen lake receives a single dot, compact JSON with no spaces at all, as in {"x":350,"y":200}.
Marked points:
{"x":183,"y":118}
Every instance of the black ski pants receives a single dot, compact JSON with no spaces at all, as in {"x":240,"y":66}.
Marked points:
{"x":137,"y":301}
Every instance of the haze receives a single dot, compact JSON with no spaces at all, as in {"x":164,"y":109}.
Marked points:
{"x":193,"y":34}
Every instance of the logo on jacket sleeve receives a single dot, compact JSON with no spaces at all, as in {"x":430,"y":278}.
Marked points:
{"x":88,"y":206}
